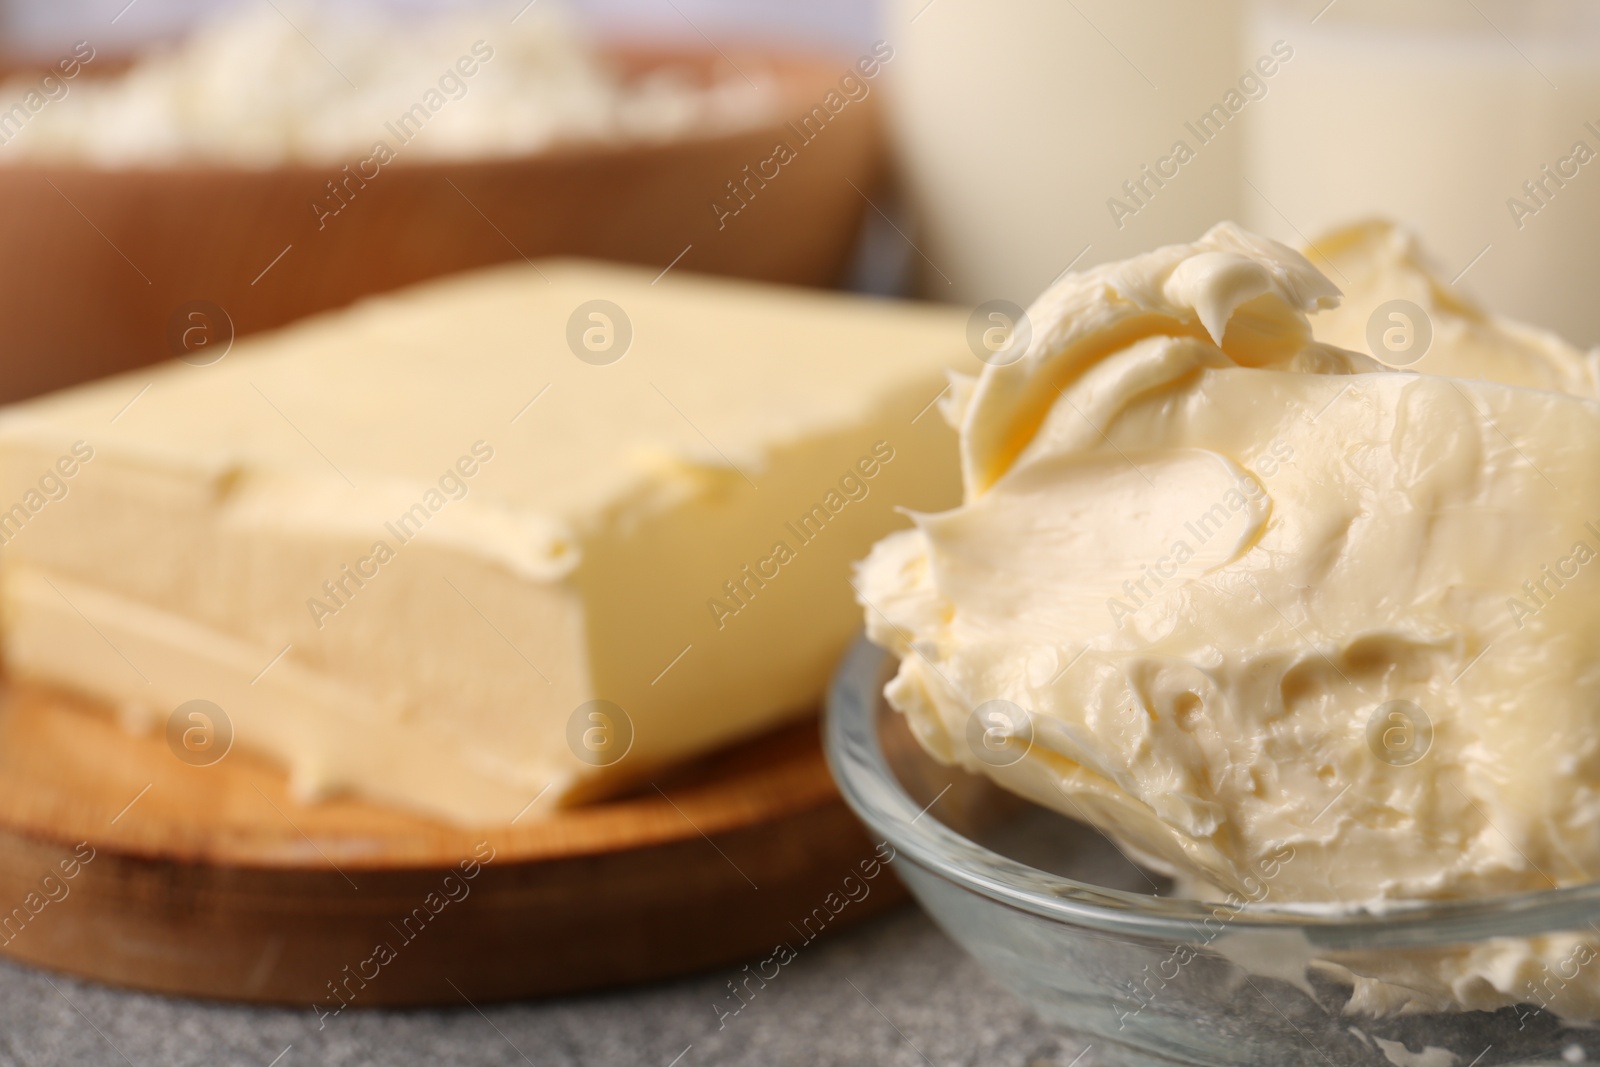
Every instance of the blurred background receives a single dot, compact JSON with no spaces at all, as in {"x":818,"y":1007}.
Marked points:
{"x":1013,"y":139}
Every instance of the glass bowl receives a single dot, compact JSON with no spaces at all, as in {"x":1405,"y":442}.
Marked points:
{"x":1089,"y":939}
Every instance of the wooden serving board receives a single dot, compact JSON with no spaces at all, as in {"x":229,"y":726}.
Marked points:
{"x":211,"y":881}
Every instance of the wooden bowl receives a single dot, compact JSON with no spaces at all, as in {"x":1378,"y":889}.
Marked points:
{"x":100,"y":268}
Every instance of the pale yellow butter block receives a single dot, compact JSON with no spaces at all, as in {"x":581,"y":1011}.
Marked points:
{"x":404,"y":545}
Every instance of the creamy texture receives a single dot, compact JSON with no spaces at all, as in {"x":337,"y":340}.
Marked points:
{"x":553,"y":532}
{"x":282,"y":83}
{"x":1206,"y":549}
{"x":1374,"y":263}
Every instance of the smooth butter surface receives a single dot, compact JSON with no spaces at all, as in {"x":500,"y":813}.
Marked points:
{"x":461,"y":532}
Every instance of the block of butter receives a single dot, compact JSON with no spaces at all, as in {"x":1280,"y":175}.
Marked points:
{"x":533,"y":532}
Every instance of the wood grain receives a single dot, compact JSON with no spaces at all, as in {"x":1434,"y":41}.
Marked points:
{"x":212,"y":881}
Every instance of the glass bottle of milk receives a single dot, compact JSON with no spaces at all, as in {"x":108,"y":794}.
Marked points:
{"x":1476,"y":122}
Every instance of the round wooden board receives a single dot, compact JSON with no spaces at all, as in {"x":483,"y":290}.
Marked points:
{"x":211,"y":881}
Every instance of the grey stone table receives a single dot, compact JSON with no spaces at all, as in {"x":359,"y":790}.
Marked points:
{"x":894,"y":991}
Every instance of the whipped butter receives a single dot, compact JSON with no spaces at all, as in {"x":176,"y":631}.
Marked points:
{"x":1258,"y":595}
{"x":532,"y":532}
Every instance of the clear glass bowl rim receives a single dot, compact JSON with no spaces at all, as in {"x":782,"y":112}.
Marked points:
{"x":869,"y":786}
